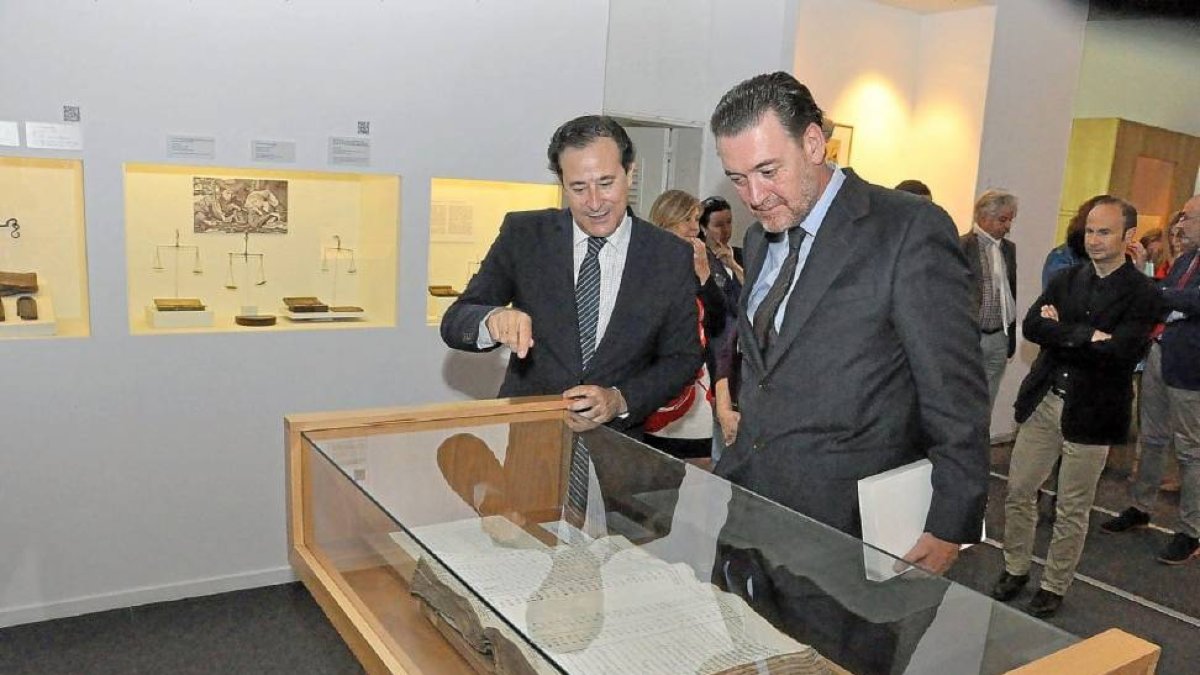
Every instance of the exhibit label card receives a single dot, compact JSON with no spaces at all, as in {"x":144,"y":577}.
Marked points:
{"x":53,"y":136}
{"x":191,"y":147}
{"x":9,"y":134}
{"x":349,"y":151}
{"x":272,"y":151}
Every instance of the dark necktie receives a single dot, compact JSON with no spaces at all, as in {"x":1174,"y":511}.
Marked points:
{"x":577,"y":482}
{"x":587,"y":299}
{"x":764,"y":316}
{"x":587,"y":307}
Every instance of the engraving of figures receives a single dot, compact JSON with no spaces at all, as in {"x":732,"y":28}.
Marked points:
{"x":239,"y":205}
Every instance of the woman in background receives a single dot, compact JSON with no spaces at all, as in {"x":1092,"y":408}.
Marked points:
{"x":716,"y":222}
{"x":683,"y":426}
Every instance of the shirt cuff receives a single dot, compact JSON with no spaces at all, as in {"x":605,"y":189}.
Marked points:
{"x":484,"y":338}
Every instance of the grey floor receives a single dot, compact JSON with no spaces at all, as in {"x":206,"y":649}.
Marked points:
{"x":280,"y":629}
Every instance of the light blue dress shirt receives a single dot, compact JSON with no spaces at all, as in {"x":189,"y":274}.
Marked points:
{"x":777,"y":251}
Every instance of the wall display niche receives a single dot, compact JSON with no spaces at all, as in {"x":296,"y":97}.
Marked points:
{"x":464,"y":219}
{"x":43,"y":258}
{"x":232,"y":249}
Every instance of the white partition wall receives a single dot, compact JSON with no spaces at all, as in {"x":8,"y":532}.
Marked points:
{"x":139,"y":468}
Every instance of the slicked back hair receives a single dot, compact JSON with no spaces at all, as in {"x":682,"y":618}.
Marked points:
{"x":743,"y":107}
{"x":582,"y":132}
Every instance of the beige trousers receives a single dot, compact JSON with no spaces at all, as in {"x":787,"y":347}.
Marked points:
{"x":1039,"y":443}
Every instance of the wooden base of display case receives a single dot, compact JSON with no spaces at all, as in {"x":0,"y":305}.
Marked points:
{"x":335,"y":535}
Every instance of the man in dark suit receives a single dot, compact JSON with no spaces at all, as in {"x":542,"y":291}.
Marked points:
{"x":594,"y":302}
{"x":1170,"y":403}
{"x":1092,"y":323}
{"x":864,"y":357}
{"x":993,"y":261}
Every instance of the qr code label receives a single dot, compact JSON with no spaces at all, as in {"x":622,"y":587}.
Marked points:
{"x":364,"y":128}
{"x":70,"y":113}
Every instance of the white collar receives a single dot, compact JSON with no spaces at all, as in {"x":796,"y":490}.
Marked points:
{"x":619,"y":238}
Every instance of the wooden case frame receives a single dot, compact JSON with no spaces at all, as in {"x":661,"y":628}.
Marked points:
{"x":404,"y":641}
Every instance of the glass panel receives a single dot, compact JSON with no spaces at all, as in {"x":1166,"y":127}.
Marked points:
{"x":592,"y":553}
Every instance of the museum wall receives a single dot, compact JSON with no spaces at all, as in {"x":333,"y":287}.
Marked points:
{"x":671,"y":62}
{"x":1140,"y":70}
{"x":1035,"y":67}
{"x":916,"y":112}
{"x":149,"y":467}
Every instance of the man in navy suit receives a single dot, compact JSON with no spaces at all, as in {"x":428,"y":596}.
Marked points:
{"x":595,"y":303}
{"x":1170,"y":405}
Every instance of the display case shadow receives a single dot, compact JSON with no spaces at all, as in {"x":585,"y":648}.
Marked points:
{"x":463,"y":538}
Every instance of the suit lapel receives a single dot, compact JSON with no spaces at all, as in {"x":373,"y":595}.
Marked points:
{"x":829,"y":253}
{"x":561,"y":289}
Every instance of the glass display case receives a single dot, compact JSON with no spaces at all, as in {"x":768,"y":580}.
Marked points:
{"x":235,"y":249}
{"x":506,"y":537}
{"x":43,"y":255}
{"x":464,"y":219}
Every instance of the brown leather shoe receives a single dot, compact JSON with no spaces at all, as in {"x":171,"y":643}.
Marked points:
{"x":27,"y":308}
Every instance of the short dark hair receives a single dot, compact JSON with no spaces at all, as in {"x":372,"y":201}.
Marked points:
{"x":915,"y":187}
{"x":1128,"y":212}
{"x":744,"y":106}
{"x":710,"y":206}
{"x":582,"y":132}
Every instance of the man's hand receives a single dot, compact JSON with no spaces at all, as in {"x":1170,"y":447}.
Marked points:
{"x":598,"y":404}
{"x":932,"y":554}
{"x":1137,"y":253}
{"x":513,"y":329}
{"x":724,"y":253}
{"x":1100,"y":336}
{"x":729,"y":419}
{"x":1050,"y":312}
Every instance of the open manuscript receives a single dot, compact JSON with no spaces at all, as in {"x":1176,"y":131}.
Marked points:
{"x":589,"y":606}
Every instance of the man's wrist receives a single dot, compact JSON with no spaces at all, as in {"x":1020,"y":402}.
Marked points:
{"x":622,"y":404}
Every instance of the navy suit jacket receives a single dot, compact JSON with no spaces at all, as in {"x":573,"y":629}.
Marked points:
{"x":651,"y":347}
{"x":1181,"y":339}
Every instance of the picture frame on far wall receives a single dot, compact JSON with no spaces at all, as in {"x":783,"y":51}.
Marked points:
{"x":838,"y":141}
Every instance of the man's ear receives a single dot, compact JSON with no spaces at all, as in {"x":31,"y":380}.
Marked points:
{"x":633,"y":167}
{"x":813,"y":144}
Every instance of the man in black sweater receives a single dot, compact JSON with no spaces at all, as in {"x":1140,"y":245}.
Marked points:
{"x":1092,"y":322}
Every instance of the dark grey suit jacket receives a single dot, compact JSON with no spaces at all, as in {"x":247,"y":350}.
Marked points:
{"x":877,"y":365}
{"x":970,"y":247}
{"x":651,"y":347}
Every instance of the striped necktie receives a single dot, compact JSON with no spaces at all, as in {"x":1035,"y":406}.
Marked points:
{"x":587,"y":299}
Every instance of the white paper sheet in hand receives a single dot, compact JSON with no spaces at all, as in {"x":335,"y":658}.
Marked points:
{"x":894,"y":505}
